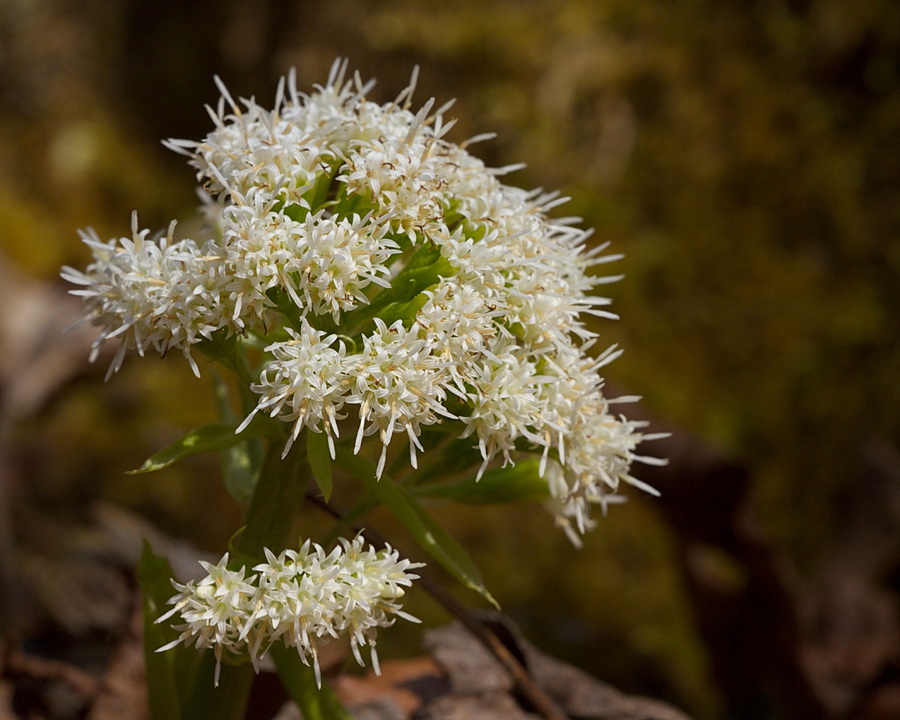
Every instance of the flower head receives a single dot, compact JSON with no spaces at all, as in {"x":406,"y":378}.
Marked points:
{"x":302,"y":598}
{"x":213,"y":610}
{"x":394,"y":280}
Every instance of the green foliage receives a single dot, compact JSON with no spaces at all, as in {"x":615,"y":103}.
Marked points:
{"x":165,"y":672}
{"x":240,"y":462}
{"x":319,"y":458}
{"x":521,"y":481}
{"x":425,"y":530}
{"x":204,"y":439}
{"x":404,"y":298}
{"x":276,"y":500}
{"x":316,"y":703}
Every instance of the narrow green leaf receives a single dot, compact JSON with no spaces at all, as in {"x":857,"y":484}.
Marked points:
{"x":240,"y":462}
{"x":426,"y":531}
{"x":296,"y":212}
{"x":405,"y":311}
{"x":215,"y":436}
{"x":154,"y":573}
{"x":500,"y":485}
{"x":300,"y":682}
{"x":423,"y":269}
{"x":318,"y":456}
{"x":447,"y":456}
{"x":239,"y":470}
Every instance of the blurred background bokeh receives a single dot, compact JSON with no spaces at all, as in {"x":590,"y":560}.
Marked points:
{"x":745,"y":156}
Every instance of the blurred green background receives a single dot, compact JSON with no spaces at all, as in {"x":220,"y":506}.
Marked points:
{"x":745,"y":156}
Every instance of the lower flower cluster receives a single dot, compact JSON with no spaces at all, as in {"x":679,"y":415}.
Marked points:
{"x":302,"y":598}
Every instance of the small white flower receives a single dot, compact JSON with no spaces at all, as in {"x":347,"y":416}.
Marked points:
{"x":152,"y":294}
{"x":339,"y":259}
{"x":506,"y":404}
{"x":306,"y":383}
{"x":301,"y":598}
{"x":399,"y":386}
{"x":599,"y":454}
{"x":255,"y":148}
{"x":461,"y":327}
{"x":399,"y":179}
{"x":213,"y":610}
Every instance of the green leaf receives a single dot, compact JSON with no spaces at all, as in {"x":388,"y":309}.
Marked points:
{"x":423,"y":269}
{"x":448,"y":457}
{"x":154,"y":573}
{"x":405,"y":311}
{"x":296,"y":212}
{"x":240,"y":462}
{"x":226,"y":347}
{"x":318,"y":456}
{"x":500,"y":485}
{"x":215,"y":436}
{"x":239,"y":470}
{"x":283,"y":304}
{"x":426,"y":531}
{"x":300,"y":682}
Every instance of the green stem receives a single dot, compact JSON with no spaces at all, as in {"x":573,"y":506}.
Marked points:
{"x":278,"y":493}
{"x":316,"y":703}
{"x":229,"y":700}
{"x":277,"y":496}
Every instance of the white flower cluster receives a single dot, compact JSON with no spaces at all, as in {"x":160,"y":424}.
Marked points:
{"x":302,"y":598}
{"x":394,"y":279}
{"x":156,"y":294}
